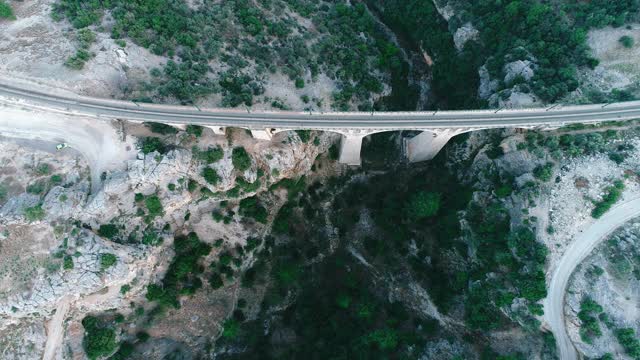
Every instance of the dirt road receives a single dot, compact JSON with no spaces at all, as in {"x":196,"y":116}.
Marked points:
{"x":55,"y":330}
{"x":575,"y":254}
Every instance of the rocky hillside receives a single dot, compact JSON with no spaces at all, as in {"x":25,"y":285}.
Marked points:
{"x":90,"y":252}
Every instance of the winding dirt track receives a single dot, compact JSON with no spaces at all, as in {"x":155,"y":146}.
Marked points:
{"x":55,"y":330}
{"x":575,"y":254}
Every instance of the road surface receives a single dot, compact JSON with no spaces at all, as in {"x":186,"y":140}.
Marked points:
{"x":38,"y":96}
{"x":573,"y":256}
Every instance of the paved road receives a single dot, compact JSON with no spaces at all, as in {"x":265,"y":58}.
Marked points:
{"x":32,"y":95}
{"x":573,"y":256}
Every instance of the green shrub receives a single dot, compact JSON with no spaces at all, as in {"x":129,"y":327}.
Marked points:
{"x":299,"y":83}
{"x":334,"y":152}
{"x":423,"y":204}
{"x":6,"y":12}
{"x":543,"y":172}
{"x":160,"y":128}
{"x":151,"y":144}
{"x":78,"y":60}
{"x":627,"y":338}
{"x":241,"y":159}
{"x":627,"y":41}
{"x":590,"y":327}
{"x":194,"y":130}
{"x":125,"y":289}
{"x":3,"y":192}
{"x":99,"y":339}
{"x":43,"y":169}
{"x":216,"y":281}
{"x":108,"y":231}
{"x":613,"y":195}
{"x":151,"y":238}
{"x":504,"y":191}
{"x":154,"y":205}
{"x":210,"y":175}
{"x":305,"y":135}
{"x":56,"y":179}
{"x":34,"y":213}
{"x":211,"y":155}
{"x":182,"y":276}
{"x":107,"y":260}
{"x":37,"y":187}
{"x":86,"y":37}
{"x":67,"y":263}
{"x":230,"y":329}
{"x":143,"y":336}
{"x":246,"y":186}
{"x":250,"y":207}
{"x":192,"y":185}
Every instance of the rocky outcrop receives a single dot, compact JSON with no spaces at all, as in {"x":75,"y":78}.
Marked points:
{"x":465,"y":33}
{"x":518,"y":69}
{"x":487,"y":85}
{"x":87,"y":276}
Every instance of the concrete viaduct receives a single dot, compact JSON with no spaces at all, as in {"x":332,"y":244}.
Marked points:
{"x":436,"y":127}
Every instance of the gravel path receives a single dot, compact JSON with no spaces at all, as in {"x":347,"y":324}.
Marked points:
{"x":573,"y":256}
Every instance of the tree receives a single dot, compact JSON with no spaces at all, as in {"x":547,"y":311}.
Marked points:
{"x":210,"y":175}
{"x":107,"y":260}
{"x":241,"y":159}
{"x":99,"y":340}
{"x":108,"y":231}
{"x":151,"y":144}
{"x":154,"y":205}
{"x":423,"y":204}
{"x":210,"y":155}
{"x":250,"y":207}
{"x":230,"y":329}
{"x":543,"y":172}
{"x":216,"y":281}
{"x":34,"y":213}
{"x":631,"y":344}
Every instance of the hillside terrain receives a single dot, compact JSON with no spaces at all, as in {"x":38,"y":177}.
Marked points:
{"x":123,"y":240}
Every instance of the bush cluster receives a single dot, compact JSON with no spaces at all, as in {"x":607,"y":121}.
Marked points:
{"x":183,"y":275}
{"x":608,"y":200}
{"x":99,"y":338}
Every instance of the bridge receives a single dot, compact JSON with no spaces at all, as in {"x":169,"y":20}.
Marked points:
{"x":436,"y":127}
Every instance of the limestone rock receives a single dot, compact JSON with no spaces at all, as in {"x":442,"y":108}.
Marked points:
{"x":464,"y":33}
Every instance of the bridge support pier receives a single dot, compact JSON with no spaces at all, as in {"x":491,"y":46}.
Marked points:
{"x":261,"y":134}
{"x":350,"y":149}
{"x":218,"y":130}
{"x":426,"y":145}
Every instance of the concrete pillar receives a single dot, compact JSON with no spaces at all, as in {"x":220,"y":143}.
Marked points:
{"x":261,"y":134}
{"x":350,"y":149}
{"x":426,"y":145}
{"x":218,"y":130}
